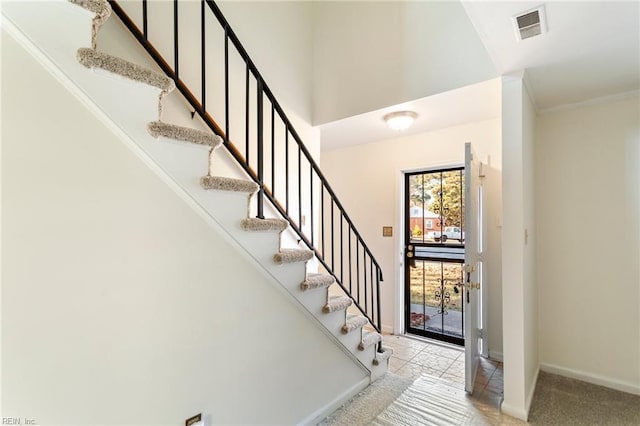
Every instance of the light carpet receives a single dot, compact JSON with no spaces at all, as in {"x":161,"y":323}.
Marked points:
{"x":563,"y":401}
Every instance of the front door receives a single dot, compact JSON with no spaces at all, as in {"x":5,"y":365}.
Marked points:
{"x":434,"y":254}
{"x":472,"y":264}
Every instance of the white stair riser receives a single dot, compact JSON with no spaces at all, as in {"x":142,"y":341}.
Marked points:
{"x":378,"y":371}
{"x":366,"y":356}
{"x":314,"y":300}
{"x":351,"y":341}
{"x":334,"y":322}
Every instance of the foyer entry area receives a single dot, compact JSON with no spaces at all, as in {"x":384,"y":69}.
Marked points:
{"x":413,"y":358}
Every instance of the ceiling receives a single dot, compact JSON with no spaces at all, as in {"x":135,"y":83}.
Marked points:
{"x":591,"y":50}
{"x":477,"y":102}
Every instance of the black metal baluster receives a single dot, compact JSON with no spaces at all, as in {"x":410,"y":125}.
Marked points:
{"x":341,"y":246}
{"x":371,"y":276}
{"x":358,"y":270}
{"x":246,"y":116}
{"x":378,"y":275}
{"x":311,"y":198}
{"x":364,"y":273}
{"x":333,"y":255}
{"x":350,"y":264}
{"x":273,"y":153}
{"x":260,"y":135}
{"x":286,"y":169}
{"x":175,"y":37}
{"x":204,"y":58}
{"x":145,"y":29}
{"x":322,"y":218}
{"x":226,"y":84}
{"x":299,"y":185}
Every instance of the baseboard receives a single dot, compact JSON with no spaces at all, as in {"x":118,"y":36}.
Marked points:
{"x":518,"y":413}
{"x":387,"y":329}
{"x":591,"y":378}
{"x":531,"y":391}
{"x":496,"y":356}
{"x":318,"y":415}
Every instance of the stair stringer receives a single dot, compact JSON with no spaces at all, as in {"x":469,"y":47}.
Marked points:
{"x":176,"y":163}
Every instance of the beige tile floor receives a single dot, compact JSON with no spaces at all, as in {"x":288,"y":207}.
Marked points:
{"x":413,"y":357}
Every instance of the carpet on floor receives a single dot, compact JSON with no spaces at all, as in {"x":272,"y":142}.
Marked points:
{"x":563,"y":401}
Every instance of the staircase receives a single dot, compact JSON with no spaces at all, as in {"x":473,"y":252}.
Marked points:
{"x":279,"y":243}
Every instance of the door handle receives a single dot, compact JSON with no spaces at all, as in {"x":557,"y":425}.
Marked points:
{"x":409,"y":253}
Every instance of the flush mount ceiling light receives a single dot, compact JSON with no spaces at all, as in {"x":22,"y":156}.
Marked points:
{"x":400,"y":120}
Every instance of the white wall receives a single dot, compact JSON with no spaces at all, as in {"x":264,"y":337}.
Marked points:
{"x":368,"y":181}
{"x":277,"y":36}
{"x":519,"y":292}
{"x":371,"y":54}
{"x":588,"y":236}
{"x":119,"y":303}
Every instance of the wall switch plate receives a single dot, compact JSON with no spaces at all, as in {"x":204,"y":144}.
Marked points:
{"x":387,"y":231}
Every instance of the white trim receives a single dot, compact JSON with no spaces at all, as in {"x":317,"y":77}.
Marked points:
{"x":398,"y":303}
{"x":595,"y":379}
{"x":591,"y":102}
{"x":496,"y":356}
{"x":522,"y":413}
{"x":337,"y":402}
{"x":518,"y":413}
{"x":531,"y":391}
{"x":528,"y":87}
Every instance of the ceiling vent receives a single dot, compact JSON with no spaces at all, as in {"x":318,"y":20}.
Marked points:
{"x":530,"y":24}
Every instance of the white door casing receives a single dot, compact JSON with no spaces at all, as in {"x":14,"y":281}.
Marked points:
{"x":473,"y":264}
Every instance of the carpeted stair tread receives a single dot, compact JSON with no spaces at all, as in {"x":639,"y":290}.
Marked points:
{"x":314,"y":281}
{"x":354,"y":322}
{"x":292,"y":256}
{"x":184,"y":134}
{"x":369,"y":338}
{"x":257,"y":224}
{"x":95,"y":6}
{"x":337,"y":303}
{"x":221,"y":183}
{"x":382,"y":356}
{"x":91,"y":58}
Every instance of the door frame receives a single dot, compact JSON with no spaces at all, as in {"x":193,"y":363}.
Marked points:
{"x":404,"y":232}
{"x":399,"y":325}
